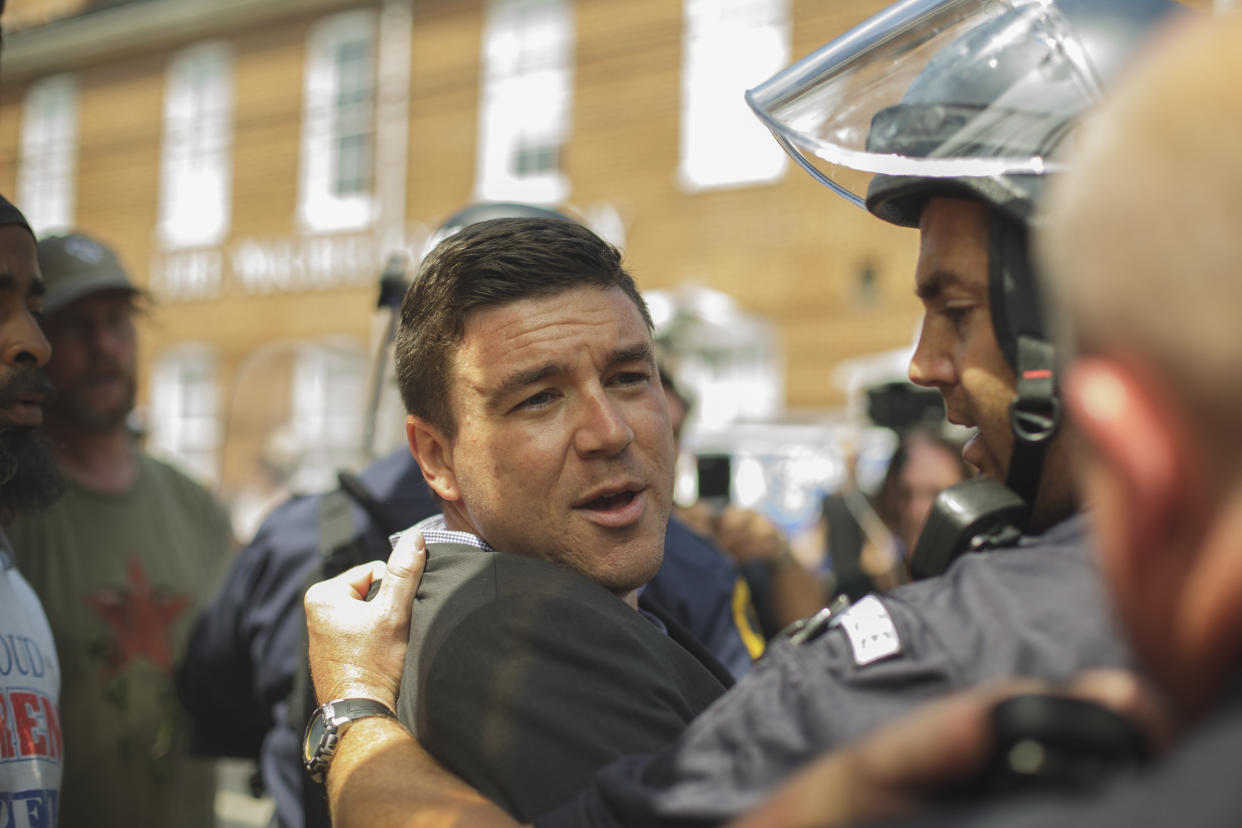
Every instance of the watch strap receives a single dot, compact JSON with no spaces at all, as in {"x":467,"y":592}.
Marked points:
{"x":352,"y":709}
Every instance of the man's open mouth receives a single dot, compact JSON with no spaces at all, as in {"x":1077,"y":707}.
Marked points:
{"x":615,"y":507}
{"x":609,"y":502}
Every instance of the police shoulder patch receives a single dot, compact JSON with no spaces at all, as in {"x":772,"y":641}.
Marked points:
{"x":870,"y":630}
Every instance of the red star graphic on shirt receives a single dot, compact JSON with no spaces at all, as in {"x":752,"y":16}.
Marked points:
{"x":139,"y":619}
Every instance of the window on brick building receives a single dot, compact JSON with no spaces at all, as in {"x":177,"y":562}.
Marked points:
{"x":729,"y":46}
{"x":329,"y":391}
{"x":195,"y":170}
{"x":48,"y":157}
{"x":338,"y":124}
{"x":526,"y":97}
{"x":184,"y":425}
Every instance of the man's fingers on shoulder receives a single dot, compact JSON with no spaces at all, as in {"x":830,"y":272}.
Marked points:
{"x":401,"y":577}
{"x":315,"y":594}
{"x":408,"y":557}
{"x":355,"y":582}
{"x":404,"y":572}
{"x":1118,"y":689}
{"x":1132,"y":697}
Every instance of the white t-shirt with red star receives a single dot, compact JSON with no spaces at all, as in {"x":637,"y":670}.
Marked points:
{"x":31,"y":747}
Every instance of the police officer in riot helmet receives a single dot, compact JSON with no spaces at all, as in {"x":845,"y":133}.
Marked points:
{"x":964,"y":156}
{"x":984,"y":343}
{"x":948,"y":116}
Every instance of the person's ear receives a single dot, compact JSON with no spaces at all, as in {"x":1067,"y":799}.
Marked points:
{"x":434,"y":453}
{"x":1135,"y":436}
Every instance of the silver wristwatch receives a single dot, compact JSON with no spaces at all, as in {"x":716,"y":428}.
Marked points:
{"x":327,"y":724}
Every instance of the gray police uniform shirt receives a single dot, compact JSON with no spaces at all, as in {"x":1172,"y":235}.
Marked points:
{"x":1038,"y":609}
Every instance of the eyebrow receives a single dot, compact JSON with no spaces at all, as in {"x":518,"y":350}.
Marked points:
{"x":642,"y":352}
{"x":936,"y":283}
{"x":520,"y":379}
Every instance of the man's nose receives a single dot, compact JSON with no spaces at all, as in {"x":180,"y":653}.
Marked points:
{"x":603,"y":429}
{"x":930,"y":366}
{"x":28,"y":344}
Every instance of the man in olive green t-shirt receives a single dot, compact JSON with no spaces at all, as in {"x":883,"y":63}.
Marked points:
{"x":120,"y":563}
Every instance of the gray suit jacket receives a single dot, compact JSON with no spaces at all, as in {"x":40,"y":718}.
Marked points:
{"x":524,"y":677}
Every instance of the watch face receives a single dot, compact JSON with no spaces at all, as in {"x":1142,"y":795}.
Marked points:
{"x":327,"y":726}
{"x":314,"y":735}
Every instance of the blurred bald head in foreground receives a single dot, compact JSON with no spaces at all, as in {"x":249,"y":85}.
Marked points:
{"x":1144,"y":251}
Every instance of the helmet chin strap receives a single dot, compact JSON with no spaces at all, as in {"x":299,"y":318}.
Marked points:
{"x":1035,"y":411}
{"x":1034,"y":417}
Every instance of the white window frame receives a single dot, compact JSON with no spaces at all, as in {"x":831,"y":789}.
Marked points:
{"x":49,"y":148}
{"x":320,"y":207}
{"x":729,"y":46}
{"x":195,"y":163}
{"x":328,"y":394}
{"x":185,"y":404}
{"x":526,"y":99}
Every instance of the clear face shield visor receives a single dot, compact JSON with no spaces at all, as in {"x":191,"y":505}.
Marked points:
{"x":933,"y":89}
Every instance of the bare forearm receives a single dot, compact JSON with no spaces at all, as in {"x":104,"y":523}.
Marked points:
{"x":381,"y":778}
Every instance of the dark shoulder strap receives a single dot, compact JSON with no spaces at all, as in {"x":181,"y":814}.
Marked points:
{"x":357,"y":491}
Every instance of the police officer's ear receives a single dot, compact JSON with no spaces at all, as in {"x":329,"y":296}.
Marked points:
{"x":434,"y":453}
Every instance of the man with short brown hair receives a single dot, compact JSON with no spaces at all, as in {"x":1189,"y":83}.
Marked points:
{"x":526,"y":362}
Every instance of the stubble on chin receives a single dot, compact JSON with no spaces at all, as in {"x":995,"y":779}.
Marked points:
{"x":69,"y":408}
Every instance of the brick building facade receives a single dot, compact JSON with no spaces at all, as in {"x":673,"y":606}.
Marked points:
{"x":256,"y":162}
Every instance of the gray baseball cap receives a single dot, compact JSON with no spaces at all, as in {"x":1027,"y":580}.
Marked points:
{"x":75,"y":266}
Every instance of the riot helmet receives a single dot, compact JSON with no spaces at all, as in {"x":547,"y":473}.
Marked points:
{"x":974,"y":99}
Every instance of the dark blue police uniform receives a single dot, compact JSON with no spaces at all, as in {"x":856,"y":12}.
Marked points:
{"x":699,"y":587}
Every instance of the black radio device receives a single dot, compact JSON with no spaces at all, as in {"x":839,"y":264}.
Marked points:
{"x":972,"y":516}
